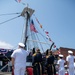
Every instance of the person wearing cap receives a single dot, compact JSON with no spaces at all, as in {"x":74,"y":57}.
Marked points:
{"x":70,"y":62}
{"x":18,"y":58}
{"x":60,"y":64}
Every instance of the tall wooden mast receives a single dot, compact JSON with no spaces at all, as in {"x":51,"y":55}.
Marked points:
{"x":26,"y":13}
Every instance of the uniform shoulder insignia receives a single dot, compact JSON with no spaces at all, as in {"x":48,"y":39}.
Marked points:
{"x":34,"y":54}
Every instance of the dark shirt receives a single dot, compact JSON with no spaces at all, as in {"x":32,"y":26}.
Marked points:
{"x":37,"y":57}
{"x":50,"y":59}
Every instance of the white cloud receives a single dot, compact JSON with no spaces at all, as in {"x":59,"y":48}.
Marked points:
{"x":5,"y":45}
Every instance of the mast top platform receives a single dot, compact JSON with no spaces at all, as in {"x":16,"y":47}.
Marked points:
{"x":27,"y":10}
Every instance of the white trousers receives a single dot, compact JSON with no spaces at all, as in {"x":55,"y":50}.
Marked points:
{"x":71,"y":71}
{"x":19,"y":71}
{"x":62,"y":71}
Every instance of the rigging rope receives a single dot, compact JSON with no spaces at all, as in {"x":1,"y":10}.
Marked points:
{"x":46,"y":32}
{"x":39,"y":32}
{"x":40,"y":43}
{"x":43,"y":37}
{"x":9,"y":19}
{"x":38,"y":37}
{"x":10,"y":14}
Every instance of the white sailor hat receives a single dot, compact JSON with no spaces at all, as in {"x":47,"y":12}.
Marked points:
{"x":70,"y":51}
{"x":21,"y":44}
{"x":60,"y":55}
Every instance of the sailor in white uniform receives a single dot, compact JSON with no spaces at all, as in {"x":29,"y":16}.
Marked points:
{"x":61,"y":63}
{"x":70,"y":62}
{"x":19,"y":60}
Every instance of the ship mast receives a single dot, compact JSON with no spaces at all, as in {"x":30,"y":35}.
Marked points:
{"x":26,"y":13}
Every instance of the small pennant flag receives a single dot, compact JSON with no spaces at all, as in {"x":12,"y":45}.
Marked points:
{"x":37,"y":20}
{"x":50,"y":39}
{"x":40,"y":26}
{"x":32,"y":27}
{"x":46,"y":32}
{"x":54,"y":46}
{"x":18,"y":1}
{"x":59,"y":52}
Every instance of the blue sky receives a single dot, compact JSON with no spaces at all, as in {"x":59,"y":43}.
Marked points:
{"x":56,"y":16}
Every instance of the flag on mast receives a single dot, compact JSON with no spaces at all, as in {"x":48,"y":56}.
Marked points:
{"x":32,"y":27}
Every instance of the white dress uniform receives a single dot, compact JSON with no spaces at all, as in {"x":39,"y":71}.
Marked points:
{"x":61,"y":62}
{"x":70,"y":60}
{"x":20,"y":61}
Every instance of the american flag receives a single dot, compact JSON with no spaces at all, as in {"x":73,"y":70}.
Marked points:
{"x":32,"y":27}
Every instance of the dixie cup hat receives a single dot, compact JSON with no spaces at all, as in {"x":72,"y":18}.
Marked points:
{"x":70,"y":52}
{"x":60,"y":55}
{"x":21,"y":44}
